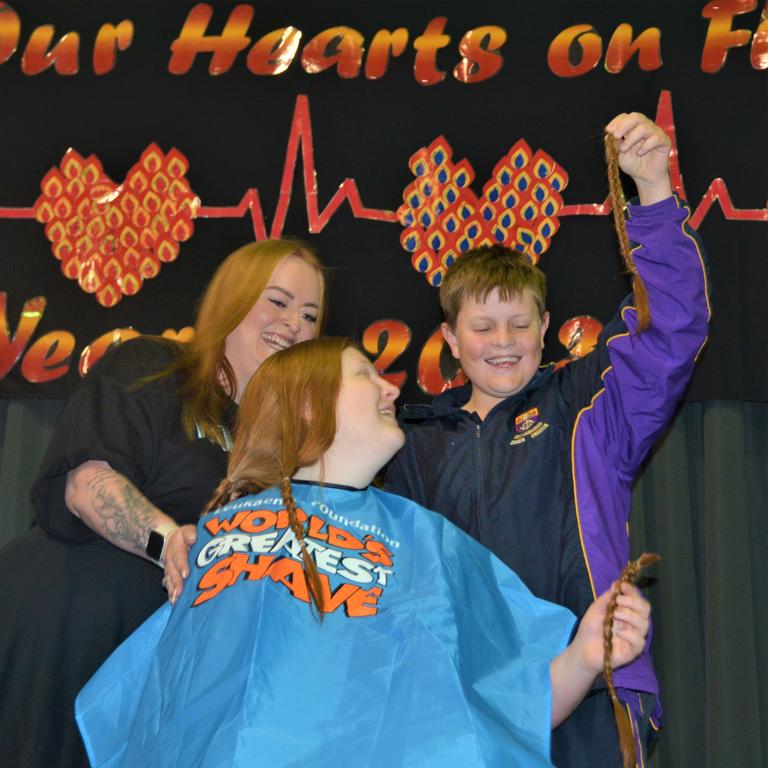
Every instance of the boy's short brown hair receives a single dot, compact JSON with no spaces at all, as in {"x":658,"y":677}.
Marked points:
{"x":481,"y":270}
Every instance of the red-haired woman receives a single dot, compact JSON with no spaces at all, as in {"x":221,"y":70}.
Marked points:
{"x":430,"y":651}
{"x":138,"y":450}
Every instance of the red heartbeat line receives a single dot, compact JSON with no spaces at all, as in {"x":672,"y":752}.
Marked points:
{"x":717,"y":191}
{"x":301,"y":136}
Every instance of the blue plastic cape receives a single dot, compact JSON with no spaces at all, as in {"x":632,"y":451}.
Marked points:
{"x":432,"y":653}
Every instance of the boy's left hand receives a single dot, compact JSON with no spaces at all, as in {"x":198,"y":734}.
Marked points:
{"x":643,"y":154}
{"x":631,"y":622}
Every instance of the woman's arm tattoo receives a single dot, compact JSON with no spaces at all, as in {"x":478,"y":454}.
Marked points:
{"x":123,"y":515}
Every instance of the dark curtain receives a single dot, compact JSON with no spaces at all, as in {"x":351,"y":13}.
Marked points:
{"x":700,"y":503}
{"x":25,"y":427}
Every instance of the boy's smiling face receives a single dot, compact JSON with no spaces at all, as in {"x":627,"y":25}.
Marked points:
{"x":499,"y":346}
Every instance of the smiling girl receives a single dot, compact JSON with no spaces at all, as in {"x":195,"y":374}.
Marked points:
{"x":430,"y":651}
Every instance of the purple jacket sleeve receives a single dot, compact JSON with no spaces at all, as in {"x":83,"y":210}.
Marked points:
{"x":647,"y":372}
{"x":643,"y":375}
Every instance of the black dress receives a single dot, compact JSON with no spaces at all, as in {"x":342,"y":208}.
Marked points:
{"x":68,"y":598}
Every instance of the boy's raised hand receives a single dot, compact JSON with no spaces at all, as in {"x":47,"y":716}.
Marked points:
{"x":643,"y":154}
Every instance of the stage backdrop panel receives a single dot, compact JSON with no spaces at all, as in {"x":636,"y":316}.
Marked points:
{"x":142,"y":142}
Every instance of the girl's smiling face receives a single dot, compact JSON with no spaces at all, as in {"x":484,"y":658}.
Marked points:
{"x":365,"y":411}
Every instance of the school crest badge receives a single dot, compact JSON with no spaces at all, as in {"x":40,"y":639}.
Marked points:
{"x":528,"y":425}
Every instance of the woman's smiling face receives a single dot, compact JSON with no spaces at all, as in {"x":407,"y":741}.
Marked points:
{"x":284,"y":314}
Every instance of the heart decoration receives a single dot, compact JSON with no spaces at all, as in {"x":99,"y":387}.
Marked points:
{"x":443,"y":217}
{"x":111,"y":237}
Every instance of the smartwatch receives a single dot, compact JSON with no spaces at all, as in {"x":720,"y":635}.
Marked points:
{"x":156,"y":542}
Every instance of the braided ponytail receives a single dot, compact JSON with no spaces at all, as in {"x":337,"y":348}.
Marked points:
{"x":228,"y":490}
{"x":311,"y":574}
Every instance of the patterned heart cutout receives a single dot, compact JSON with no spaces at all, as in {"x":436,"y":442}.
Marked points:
{"x":110,"y":237}
{"x":443,"y":217}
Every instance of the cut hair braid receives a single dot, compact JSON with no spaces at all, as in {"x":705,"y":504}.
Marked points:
{"x":626,"y":737}
{"x":618,"y":204}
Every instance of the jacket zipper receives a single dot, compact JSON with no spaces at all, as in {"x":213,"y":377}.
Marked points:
{"x":481,"y":522}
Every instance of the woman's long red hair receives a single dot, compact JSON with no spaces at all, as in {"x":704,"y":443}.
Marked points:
{"x":208,"y":380}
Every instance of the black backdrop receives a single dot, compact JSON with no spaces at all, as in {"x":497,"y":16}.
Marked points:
{"x":234,"y":128}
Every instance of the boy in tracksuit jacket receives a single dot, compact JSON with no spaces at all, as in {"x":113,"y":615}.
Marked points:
{"x":538,"y":463}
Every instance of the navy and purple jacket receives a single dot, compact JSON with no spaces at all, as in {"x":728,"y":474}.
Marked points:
{"x":545,"y":480}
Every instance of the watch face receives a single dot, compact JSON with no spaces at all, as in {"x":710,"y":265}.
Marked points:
{"x":155,"y":545}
